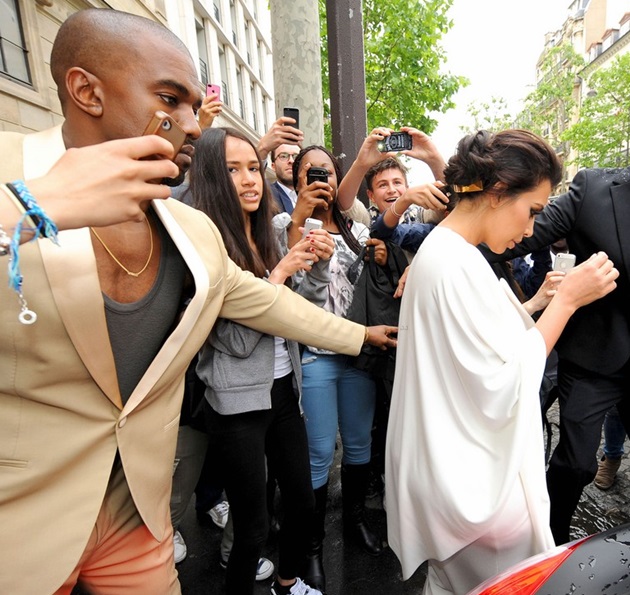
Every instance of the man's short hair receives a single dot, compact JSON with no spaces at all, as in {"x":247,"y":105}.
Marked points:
{"x":377,"y":168}
{"x":102,"y":40}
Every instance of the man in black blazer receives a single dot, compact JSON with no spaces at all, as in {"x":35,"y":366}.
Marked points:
{"x":594,"y":349}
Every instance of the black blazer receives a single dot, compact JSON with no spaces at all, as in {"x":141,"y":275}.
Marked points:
{"x":593,"y":215}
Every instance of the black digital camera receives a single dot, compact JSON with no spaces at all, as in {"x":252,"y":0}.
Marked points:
{"x":396,"y":141}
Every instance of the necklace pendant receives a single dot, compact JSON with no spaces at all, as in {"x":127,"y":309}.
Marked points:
{"x":134,"y":274}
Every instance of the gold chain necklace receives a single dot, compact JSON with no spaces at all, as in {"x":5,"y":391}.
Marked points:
{"x":120,"y":264}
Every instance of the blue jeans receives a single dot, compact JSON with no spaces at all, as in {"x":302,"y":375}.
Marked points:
{"x":614,"y":435}
{"x":336,"y":394}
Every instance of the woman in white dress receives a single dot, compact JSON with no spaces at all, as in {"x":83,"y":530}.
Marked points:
{"x":465,"y":477}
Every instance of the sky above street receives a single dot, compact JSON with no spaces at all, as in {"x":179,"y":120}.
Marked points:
{"x":495,"y":44}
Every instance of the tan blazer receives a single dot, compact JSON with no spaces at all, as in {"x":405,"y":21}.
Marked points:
{"x":61,"y":418}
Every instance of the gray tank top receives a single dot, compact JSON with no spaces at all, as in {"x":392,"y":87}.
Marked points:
{"x":138,"y":330}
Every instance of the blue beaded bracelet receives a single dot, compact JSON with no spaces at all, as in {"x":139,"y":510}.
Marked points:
{"x":44,"y":227}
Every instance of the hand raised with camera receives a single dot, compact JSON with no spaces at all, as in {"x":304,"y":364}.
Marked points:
{"x":281,"y":132}
{"x":311,"y":196}
{"x":368,"y":156}
{"x":425,"y":150}
{"x":210,"y":108}
{"x":369,"y":153}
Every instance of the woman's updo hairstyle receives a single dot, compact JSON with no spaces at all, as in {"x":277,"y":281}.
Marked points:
{"x":519,"y":159}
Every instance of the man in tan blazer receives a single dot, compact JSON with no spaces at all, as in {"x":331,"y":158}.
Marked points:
{"x":90,"y":394}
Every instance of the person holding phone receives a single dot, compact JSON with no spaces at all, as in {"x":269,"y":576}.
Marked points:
{"x":465,"y":469}
{"x":336,"y":395}
{"x":253,"y":380}
{"x":284,"y":131}
{"x":91,"y":393}
{"x":211,"y":107}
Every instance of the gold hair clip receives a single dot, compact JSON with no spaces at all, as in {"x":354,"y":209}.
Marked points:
{"x":474,"y":187}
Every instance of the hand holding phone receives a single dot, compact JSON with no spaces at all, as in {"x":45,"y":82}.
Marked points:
{"x":317,"y":174}
{"x":292,"y":112}
{"x":163,"y":125}
{"x":309,"y":225}
{"x":213,"y":90}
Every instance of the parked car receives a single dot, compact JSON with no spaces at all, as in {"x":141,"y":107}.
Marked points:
{"x":597,"y":564}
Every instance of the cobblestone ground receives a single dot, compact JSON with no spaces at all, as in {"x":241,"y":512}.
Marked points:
{"x":599,"y":510}
{"x":349,"y":570}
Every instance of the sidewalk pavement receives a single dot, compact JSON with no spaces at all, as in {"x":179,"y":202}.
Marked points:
{"x":352,"y":572}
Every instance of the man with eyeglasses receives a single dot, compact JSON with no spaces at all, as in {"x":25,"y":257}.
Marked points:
{"x":282,"y":164}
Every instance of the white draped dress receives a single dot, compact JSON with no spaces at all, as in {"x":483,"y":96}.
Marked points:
{"x":465,"y":477}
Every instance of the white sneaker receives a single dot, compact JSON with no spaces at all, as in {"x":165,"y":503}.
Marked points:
{"x":219,"y":514}
{"x":264,"y":570}
{"x":179,"y":545}
{"x":297,"y":588}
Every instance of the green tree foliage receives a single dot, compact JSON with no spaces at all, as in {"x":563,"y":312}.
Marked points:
{"x":492,"y":115}
{"x":403,"y":57}
{"x":601,"y":137}
{"x":550,"y":107}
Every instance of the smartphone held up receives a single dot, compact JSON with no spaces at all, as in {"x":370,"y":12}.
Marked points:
{"x":310,"y":224}
{"x":213,"y":90}
{"x":317,"y":174}
{"x":292,"y":112}
{"x":564,"y":261}
{"x":163,"y":125}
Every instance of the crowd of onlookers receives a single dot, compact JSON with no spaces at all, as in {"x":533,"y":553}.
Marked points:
{"x":413,"y":335}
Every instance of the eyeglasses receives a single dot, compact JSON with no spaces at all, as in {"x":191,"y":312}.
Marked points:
{"x":286,"y":156}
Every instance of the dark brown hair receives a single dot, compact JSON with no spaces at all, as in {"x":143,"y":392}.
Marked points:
{"x":518,"y":159}
{"x":213,"y":192}
{"x":377,"y":168}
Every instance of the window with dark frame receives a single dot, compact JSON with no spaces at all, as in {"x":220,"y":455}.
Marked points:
{"x":13,"y":53}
